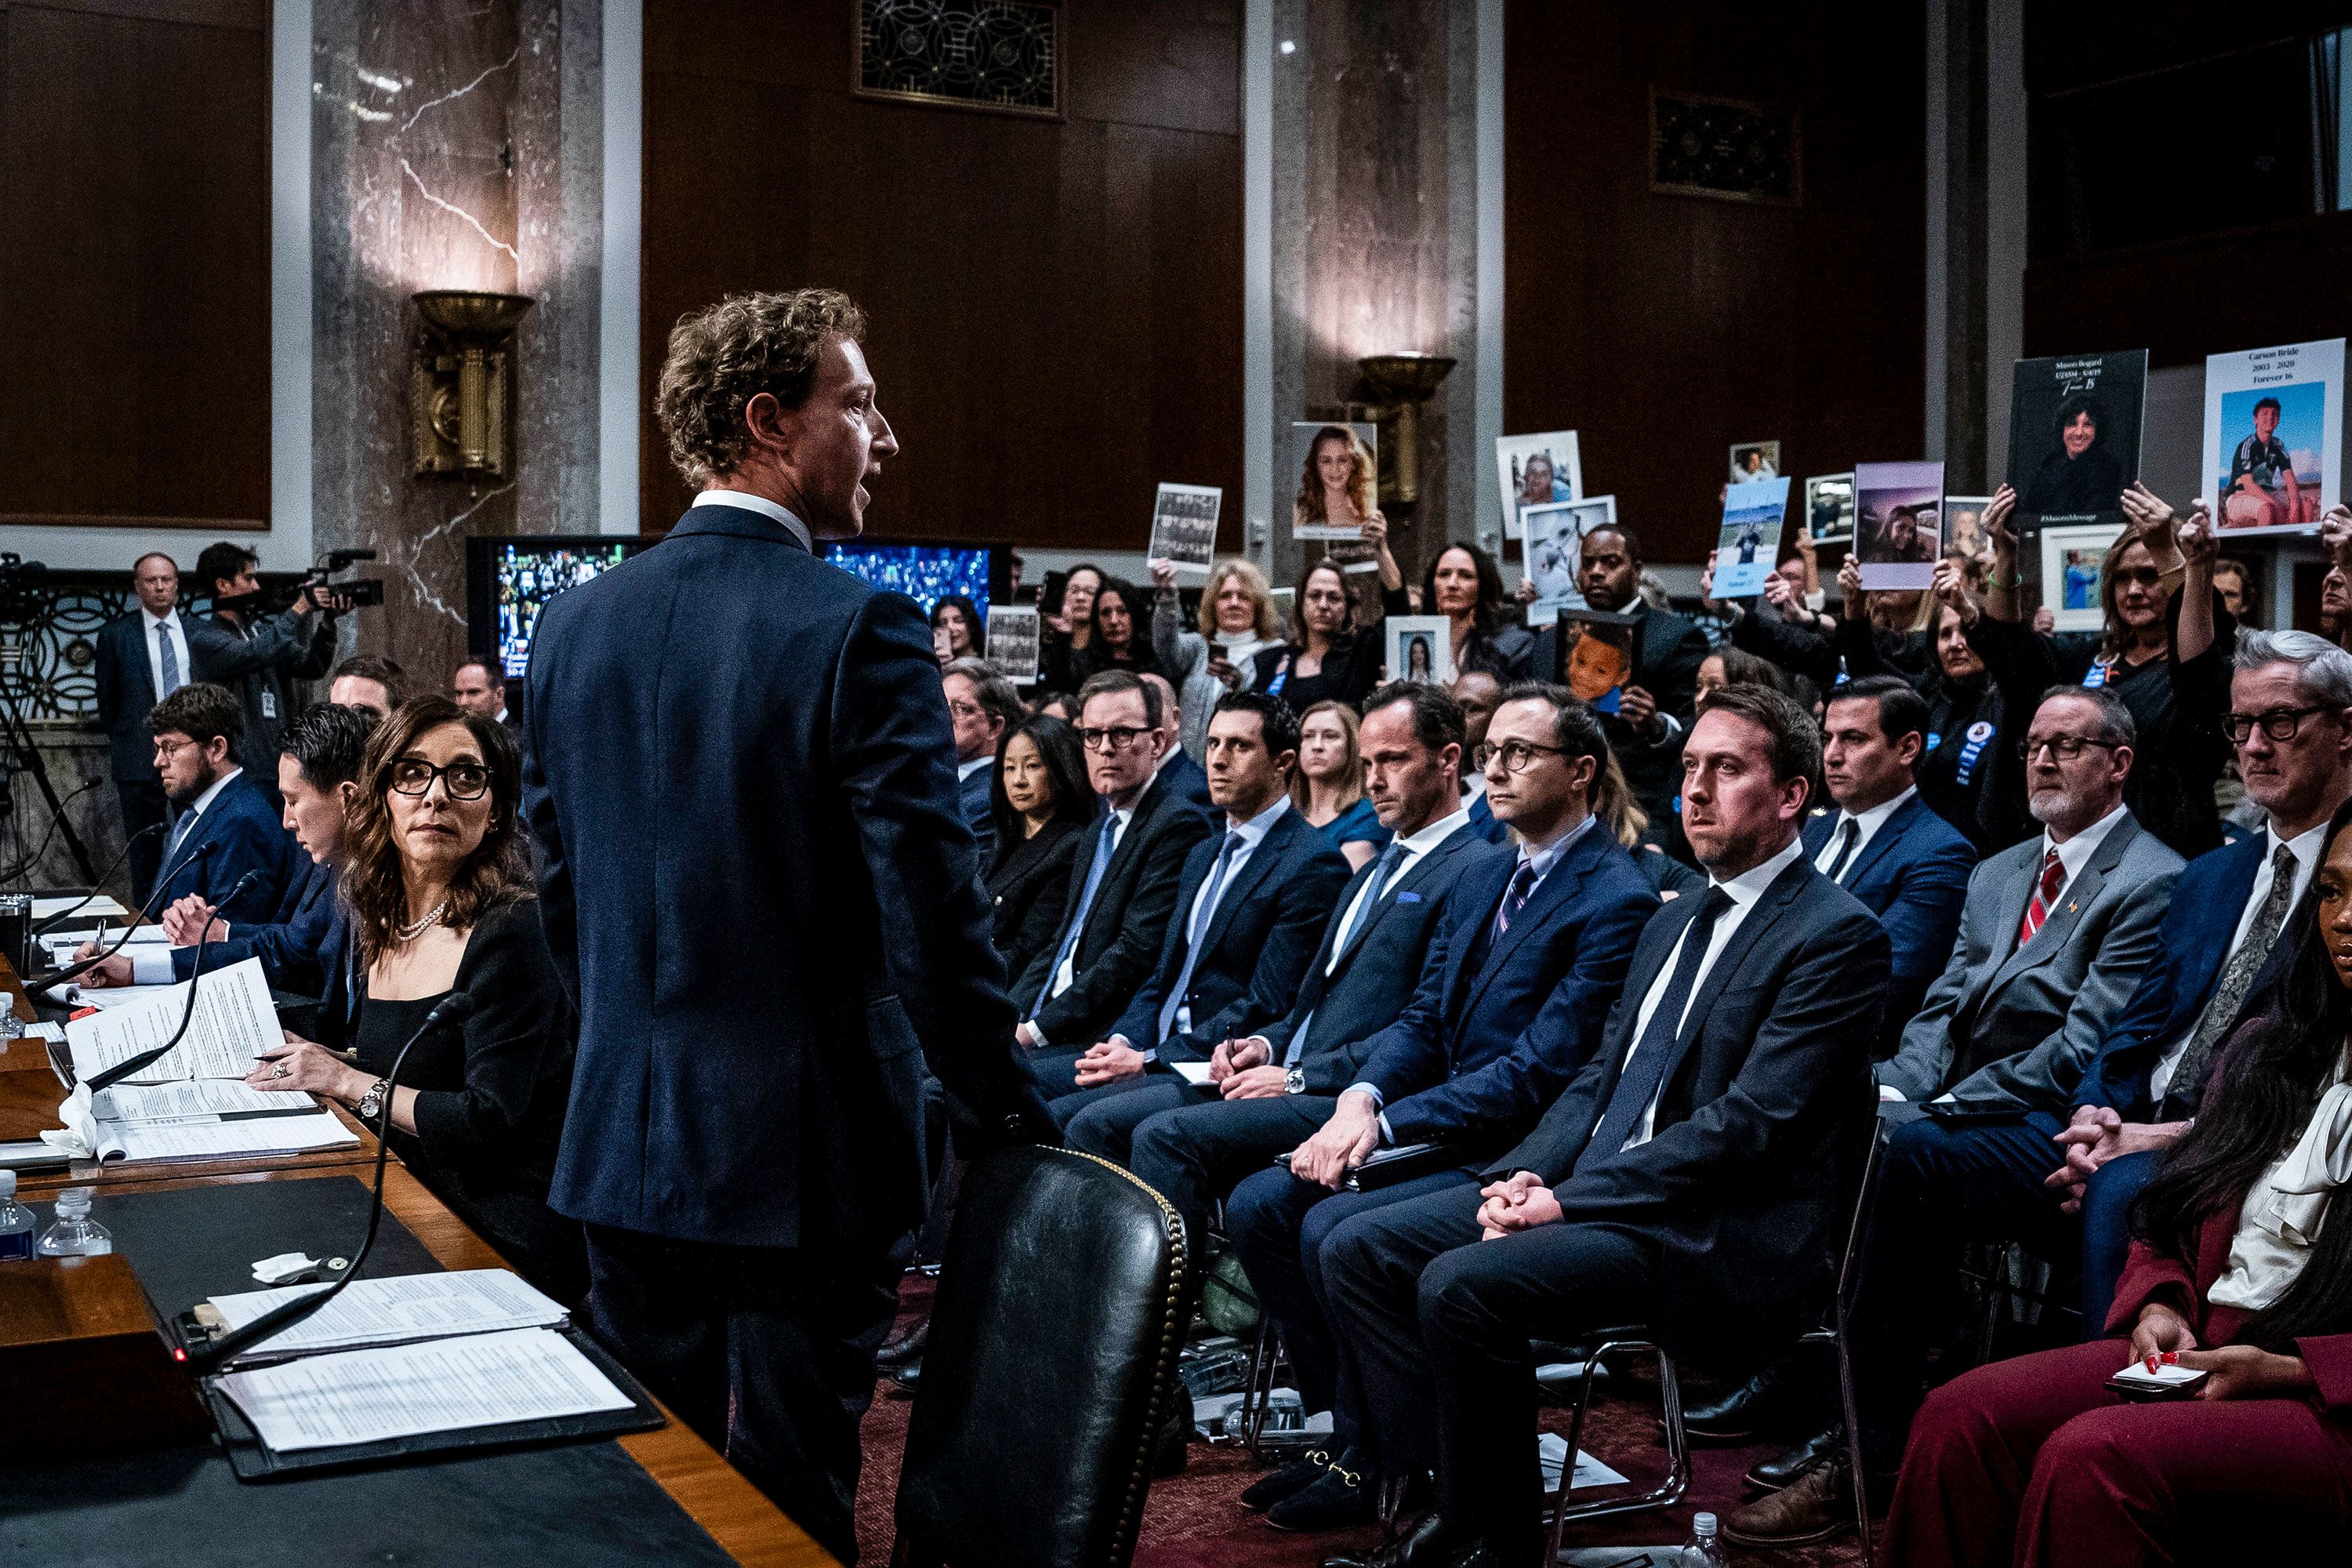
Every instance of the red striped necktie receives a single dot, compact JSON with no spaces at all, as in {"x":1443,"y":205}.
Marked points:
{"x":2054,"y":877}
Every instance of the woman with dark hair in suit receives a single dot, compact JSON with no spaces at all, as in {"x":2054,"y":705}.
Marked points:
{"x":1463,"y":585}
{"x":1122,"y":633}
{"x":1039,"y":796}
{"x":2240,"y":1270}
{"x":437,"y":879}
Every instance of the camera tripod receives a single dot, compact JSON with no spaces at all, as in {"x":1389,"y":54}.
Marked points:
{"x":19,"y":756}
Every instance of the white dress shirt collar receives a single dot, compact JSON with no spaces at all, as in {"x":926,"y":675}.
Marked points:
{"x":1417,"y":845}
{"x":2304,"y":846}
{"x":1750,"y":885}
{"x":765,"y":508}
{"x":170,"y":617}
{"x":1873,"y":819}
{"x":198,"y":806}
{"x":965,"y":769}
{"x":1255,"y":830}
{"x":2076,"y":852}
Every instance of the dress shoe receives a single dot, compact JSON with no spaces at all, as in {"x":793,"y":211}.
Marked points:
{"x":1341,"y":1498}
{"x":1816,"y":1506}
{"x":1784,"y":1392}
{"x":904,"y":1347}
{"x":1786,"y":1468}
{"x":1290,"y":1481}
{"x":1427,"y":1542}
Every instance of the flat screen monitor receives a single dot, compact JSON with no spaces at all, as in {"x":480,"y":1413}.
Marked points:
{"x":927,"y":570}
{"x":511,"y":579}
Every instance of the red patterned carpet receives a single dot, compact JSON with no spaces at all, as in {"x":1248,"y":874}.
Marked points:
{"x":1192,"y":1522}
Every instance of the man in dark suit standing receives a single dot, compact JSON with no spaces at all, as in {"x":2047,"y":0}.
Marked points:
{"x":981,"y":705}
{"x":1685,"y":1178}
{"x":1123,"y":882}
{"x":1251,"y":907}
{"x":729,"y":742}
{"x":257,"y":655}
{"x":143,"y":658}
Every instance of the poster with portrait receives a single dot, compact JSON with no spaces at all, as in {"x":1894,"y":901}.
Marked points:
{"x":1420,"y":648}
{"x":2070,"y":573}
{"x":1184,"y":525}
{"x":2274,"y":433}
{"x":1748,"y":545}
{"x":1754,"y":460}
{"x":1551,"y":543}
{"x":1013,"y":635}
{"x":1964,"y":529}
{"x":1536,"y":470}
{"x":1898,"y":524}
{"x":1596,"y":655}
{"x":2075,"y":425}
{"x":1829,"y":507}
{"x":1336,"y":475}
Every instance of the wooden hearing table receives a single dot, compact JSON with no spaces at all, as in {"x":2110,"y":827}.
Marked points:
{"x":733,"y":1512}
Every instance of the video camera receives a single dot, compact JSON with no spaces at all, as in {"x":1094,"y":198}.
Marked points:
{"x":356,"y":594}
{"x":20,"y":584}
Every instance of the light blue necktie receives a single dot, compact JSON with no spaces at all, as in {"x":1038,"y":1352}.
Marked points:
{"x":172,"y":679}
{"x":179,"y":836}
{"x":1206,"y":912}
{"x":1103,"y":831}
{"x":1390,"y":858}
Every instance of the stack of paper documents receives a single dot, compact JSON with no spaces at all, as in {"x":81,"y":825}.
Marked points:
{"x":395,"y":1309}
{"x":102,"y":907}
{"x":234,"y":1024}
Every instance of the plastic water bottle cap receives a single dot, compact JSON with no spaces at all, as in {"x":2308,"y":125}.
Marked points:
{"x":1703,"y":1524}
{"x":73,"y":1203}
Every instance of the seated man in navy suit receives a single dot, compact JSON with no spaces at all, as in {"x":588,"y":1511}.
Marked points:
{"x":1529,"y":958}
{"x":1250,"y":910}
{"x":1176,"y":763}
{"x":318,"y":772}
{"x":2291,"y":718}
{"x":981,"y":705}
{"x":226,"y":844}
{"x":1883,"y":845}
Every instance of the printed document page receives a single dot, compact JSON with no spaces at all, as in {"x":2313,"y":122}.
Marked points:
{"x":397,"y":1308}
{"x":234,"y":1024}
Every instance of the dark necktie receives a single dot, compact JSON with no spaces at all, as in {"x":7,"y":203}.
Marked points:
{"x":1638,"y":1084}
{"x":2237,"y":979}
{"x":1206,"y":913}
{"x":1514,"y":897}
{"x":1850,"y":835}
{"x":1383,"y":870}
{"x":2045,"y":893}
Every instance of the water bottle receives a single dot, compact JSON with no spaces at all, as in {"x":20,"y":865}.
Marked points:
{"x":75,"y":1234}
{"x":1704,"y":1549}
{"x":16,"y":1223}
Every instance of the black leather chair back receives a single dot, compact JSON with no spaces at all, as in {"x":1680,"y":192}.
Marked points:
{"x":1052,"y":1357}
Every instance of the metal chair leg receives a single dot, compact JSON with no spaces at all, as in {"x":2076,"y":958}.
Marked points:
{"x":1258,"y":1396}
{"x":1854,"y":1439}
{"x":1669,"y":1491}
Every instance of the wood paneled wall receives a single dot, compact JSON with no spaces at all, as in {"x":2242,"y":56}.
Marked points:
{"x":1664,"y":328}
{"x":1055,"y":305}
{"x":134,"y":284}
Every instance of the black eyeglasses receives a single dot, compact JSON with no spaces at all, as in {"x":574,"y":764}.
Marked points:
{"x":1518,"y":756}
{"x":2278,"y":723}
{"x":1115,"y":738}
{"x":464,"y":781}
{"x":2065,"y":748}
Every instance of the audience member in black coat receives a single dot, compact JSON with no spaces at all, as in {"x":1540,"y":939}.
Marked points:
{"x":982,"y":707}
{"x":1122,"y":633}
{"x":1463,"y":585}
{"x":1329,"y":657}
{"x":1068,"y":630}
{"x":1042,"y":806}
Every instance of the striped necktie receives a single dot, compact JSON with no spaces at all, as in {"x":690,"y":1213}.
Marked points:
{"x":2045,"y":894}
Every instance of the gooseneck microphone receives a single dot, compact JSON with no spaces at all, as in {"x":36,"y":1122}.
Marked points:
{"x":454,"y":1008}
{"x":64,"y":915}
{"x":99,"y":1082}
{"x":56,"y":976}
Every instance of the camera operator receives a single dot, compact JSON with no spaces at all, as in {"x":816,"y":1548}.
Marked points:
{"x":258,"y":656}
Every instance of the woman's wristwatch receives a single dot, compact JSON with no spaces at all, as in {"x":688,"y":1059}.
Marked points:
{"x":371,"y":1106}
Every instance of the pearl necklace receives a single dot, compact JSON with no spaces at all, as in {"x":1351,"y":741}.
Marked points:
{"x":409,"y":933}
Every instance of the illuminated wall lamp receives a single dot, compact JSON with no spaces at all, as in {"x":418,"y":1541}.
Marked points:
{"x":459,"y":388}
{"x":1402,"y":382}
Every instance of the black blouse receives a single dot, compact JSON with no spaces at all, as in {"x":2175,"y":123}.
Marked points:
{"x":1029,"y":891}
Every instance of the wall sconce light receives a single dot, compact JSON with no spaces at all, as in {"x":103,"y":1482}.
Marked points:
{"x":1402,"y":382}
{"x":458,"y":386}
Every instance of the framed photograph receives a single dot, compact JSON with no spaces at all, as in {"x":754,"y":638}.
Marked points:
{"x":2274,"y":428}
{"x":1964,"y":532}
{"x":1899,"y":525}
{"x":1013,"y":632}
{"x":2070,"y":573}
{"x":1420,"y":648}
{"x":2074,"y":425}
{"x":1596,"y":655}
{"x":1748,"y":546}
{"x":1829,"y":507}
{"x":1536,"y":470}
{"x":1184,"y":525}
{"x":1754,"y":460}
{"x":1338,"y":466}
{"x":1551,"y":543}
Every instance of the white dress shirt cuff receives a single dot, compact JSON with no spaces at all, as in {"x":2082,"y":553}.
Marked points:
{"x":151,"y":964}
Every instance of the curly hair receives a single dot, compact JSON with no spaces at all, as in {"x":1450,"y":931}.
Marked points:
{"x":499,"y":871}
{"x":721,"y":358}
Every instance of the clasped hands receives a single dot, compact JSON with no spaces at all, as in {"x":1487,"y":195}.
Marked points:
{"x":1521,"y":1201}
{"x":2097,"y":1135}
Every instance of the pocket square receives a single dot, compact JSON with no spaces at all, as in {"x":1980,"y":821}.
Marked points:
{"x":1408,"y":898}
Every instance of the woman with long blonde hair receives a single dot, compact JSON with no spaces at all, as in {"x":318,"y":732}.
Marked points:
{"x":1237,"y":623}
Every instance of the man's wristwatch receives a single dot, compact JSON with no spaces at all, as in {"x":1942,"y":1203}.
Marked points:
{"x":1294,"y":1080}
{"x":370,"y":1105}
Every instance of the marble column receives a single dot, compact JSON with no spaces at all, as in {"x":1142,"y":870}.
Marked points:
{"x":1375,"y":243}
{"x":452,"y":148}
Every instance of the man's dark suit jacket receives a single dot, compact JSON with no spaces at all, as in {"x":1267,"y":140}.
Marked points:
{"x":1268,"y":923}
{"x":757,"y":883}
{"x":256,"y":664}
{"x":1768,"y":1092}
{"x":1126,"y":925}
{"x":2208,"y":901}
{"x":126,"y":695}
{"x":1914,"y":876}
{"x":242,"y":833}
{"x":1483,"y":823}
{"x":1381,"y":967}
{"x":1495,"y":1029}
{"x":971,"y":794}
{"x":292,"y":944}
{"x":1190,"y":781}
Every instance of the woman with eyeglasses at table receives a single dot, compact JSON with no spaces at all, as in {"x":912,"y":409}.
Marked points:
{"x":437,"y":883}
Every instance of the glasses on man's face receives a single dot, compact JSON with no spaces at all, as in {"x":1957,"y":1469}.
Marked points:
{"x":967,"y":710}
{"x":2278,"y":723}
{"x":166,"y":750}
{"x":464,"y":781}
{"x":1112,"y":738}
{"x":1518,"y":756}
{"x":2065,"y":748}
